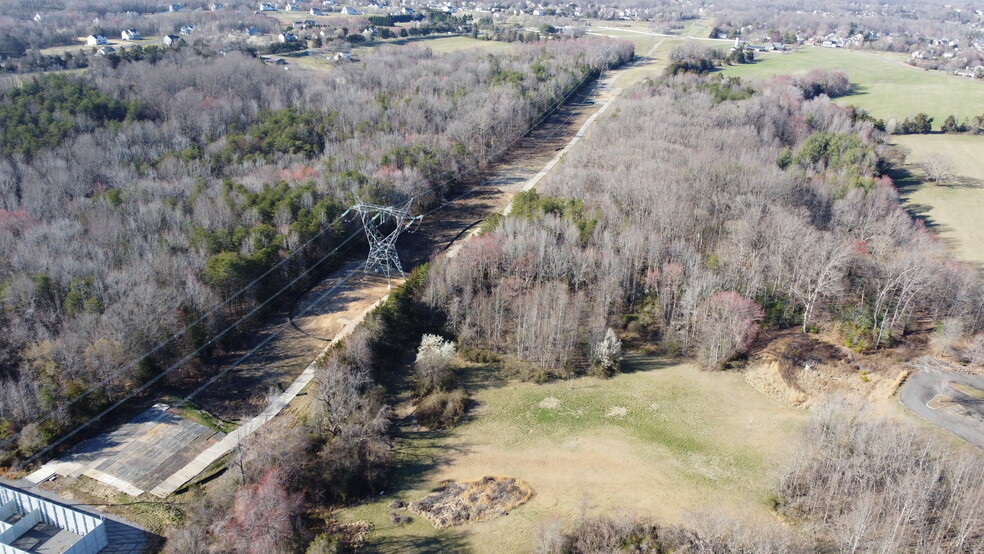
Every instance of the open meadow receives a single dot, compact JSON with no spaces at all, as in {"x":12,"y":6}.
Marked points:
{"x":884,"y":85}
{"x":955,"y":207}
{"x":663,"y":440}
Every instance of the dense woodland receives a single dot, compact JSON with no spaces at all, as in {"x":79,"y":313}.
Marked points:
{"x":699,"y":210}
{"x":135,"y":198}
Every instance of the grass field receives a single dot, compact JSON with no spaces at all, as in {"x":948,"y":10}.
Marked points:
{"x":954,"y":209}
{"x":885,"y":87}
{"x":662,"y":440}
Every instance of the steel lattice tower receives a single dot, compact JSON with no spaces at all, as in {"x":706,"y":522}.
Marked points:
{"x":383,"y":257}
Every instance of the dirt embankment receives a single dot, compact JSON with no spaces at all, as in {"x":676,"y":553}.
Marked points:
{"x":800,"y":370}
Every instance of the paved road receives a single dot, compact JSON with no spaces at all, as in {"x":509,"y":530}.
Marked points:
{"x":965,"y":421}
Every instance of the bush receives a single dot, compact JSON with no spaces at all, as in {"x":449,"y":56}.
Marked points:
{"x":442,"y":409}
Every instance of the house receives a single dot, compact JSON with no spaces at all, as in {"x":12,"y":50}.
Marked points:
{"x":316,"y":11}
{"x":37,"y":18}
{"x":343,"y":57}
{"x":291,"y":8}
{"x":449,"y":9}
{"x":105,"y":51}
{"x":130,"y":34}
{"x":407,"y":11}
{"x":215,"y":7}
{"x":252,"y":31}
{"x":267,"y":7}
{"x":287,"y":37}
{"x":298,"y":25}
{"x":96,"y":40}
{"x":310,"y":23}
{"x":348,"y":10}
{"x":369,"y":32}
{"x":187,"y":29}
{"x":171,"y":40}
{"x":174,"y":8}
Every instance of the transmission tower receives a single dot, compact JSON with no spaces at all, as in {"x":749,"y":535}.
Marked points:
{"x":382,"y":247}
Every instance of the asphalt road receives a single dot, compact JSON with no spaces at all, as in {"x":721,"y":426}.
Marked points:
{"x":965,"y":421}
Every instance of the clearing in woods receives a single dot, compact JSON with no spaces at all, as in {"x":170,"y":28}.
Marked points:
{"x":661,"y":440}
{"x":954,"y":208}
{"x":883,"y":85}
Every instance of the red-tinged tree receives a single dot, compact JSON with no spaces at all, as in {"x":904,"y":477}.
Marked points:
{"x":262,"y":519}
{"x":726,"y":325}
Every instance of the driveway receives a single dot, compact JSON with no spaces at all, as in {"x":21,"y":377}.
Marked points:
{"x":966,"y":420}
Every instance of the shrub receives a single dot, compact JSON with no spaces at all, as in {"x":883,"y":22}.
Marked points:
{"x":442,"y":409}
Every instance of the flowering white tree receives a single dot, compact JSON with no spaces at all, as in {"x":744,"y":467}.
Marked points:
{"x":607,"y":354}
{"x":432,"y":369}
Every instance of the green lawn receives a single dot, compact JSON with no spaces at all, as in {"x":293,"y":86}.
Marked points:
{"x":663,"y":440}
{"x":886,"y":87}
{"x":953,"y":209}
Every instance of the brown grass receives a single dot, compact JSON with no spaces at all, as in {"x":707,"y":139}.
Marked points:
{"x":459,"y":503}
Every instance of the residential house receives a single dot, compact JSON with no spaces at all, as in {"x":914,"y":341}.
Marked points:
{"x":105,"y":51}
{"x":343,"y":57}
{"x":96,"y":40}
{"x":369,"y":33}
{"x":316,"y":11}
{"x":187,"y":29}
{"x":130,"y":34}
{"x":252,"y":31}
{"x":215,"y":7}
{"x":37,"y":18}
{"x":171,"y":40}
{"x":174,"y":8}
{"x":287,"y":37}
{"x":291,"y":8}
{"x":348,"y":10}
{"x":267,"y":7}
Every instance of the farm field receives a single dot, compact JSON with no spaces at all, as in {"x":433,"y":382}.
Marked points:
{"x":662,"y":440}
{"x":886,"y":87}
{"x":953,"y":209}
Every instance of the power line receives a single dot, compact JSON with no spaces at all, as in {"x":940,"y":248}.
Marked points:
{"x":327,"y":227}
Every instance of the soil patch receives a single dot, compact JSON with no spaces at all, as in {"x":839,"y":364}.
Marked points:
{"x":549,"y":403}
{"x":459,"y":503}
{"x":800,"y":370}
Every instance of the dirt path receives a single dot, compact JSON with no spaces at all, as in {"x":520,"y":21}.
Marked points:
{"x":265,"y":375}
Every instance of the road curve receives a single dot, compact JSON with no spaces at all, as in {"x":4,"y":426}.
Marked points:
{"x":924,"y":385}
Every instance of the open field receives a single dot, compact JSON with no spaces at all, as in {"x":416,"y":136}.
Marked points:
{"x":662,"y":440}
{"x":885,"y":87}
{"x":953,"y":209}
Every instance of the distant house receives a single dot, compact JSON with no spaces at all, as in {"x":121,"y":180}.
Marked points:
{"x":105,"y":50}
{"x":174,"y":8}
{"x":215,"y":7}
{"x":369,"y":32}
{"x":130,"y":34}
{"x":343,"y":57}
{"x":187,"y":29}
{"x":37,"y":18}
{"x":348,"y":10}
{"x":407,"y":11}
{"x":287,"y":37}
{"x":267,"y":7}
{"x":310,"y":23}
{"x":291,"y":8}
{"x":316,"y":11}
{"x":252,"y":31}
{"x":171,"y":40}
{"x":96,"y":40}
{"x":449,"y":9}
